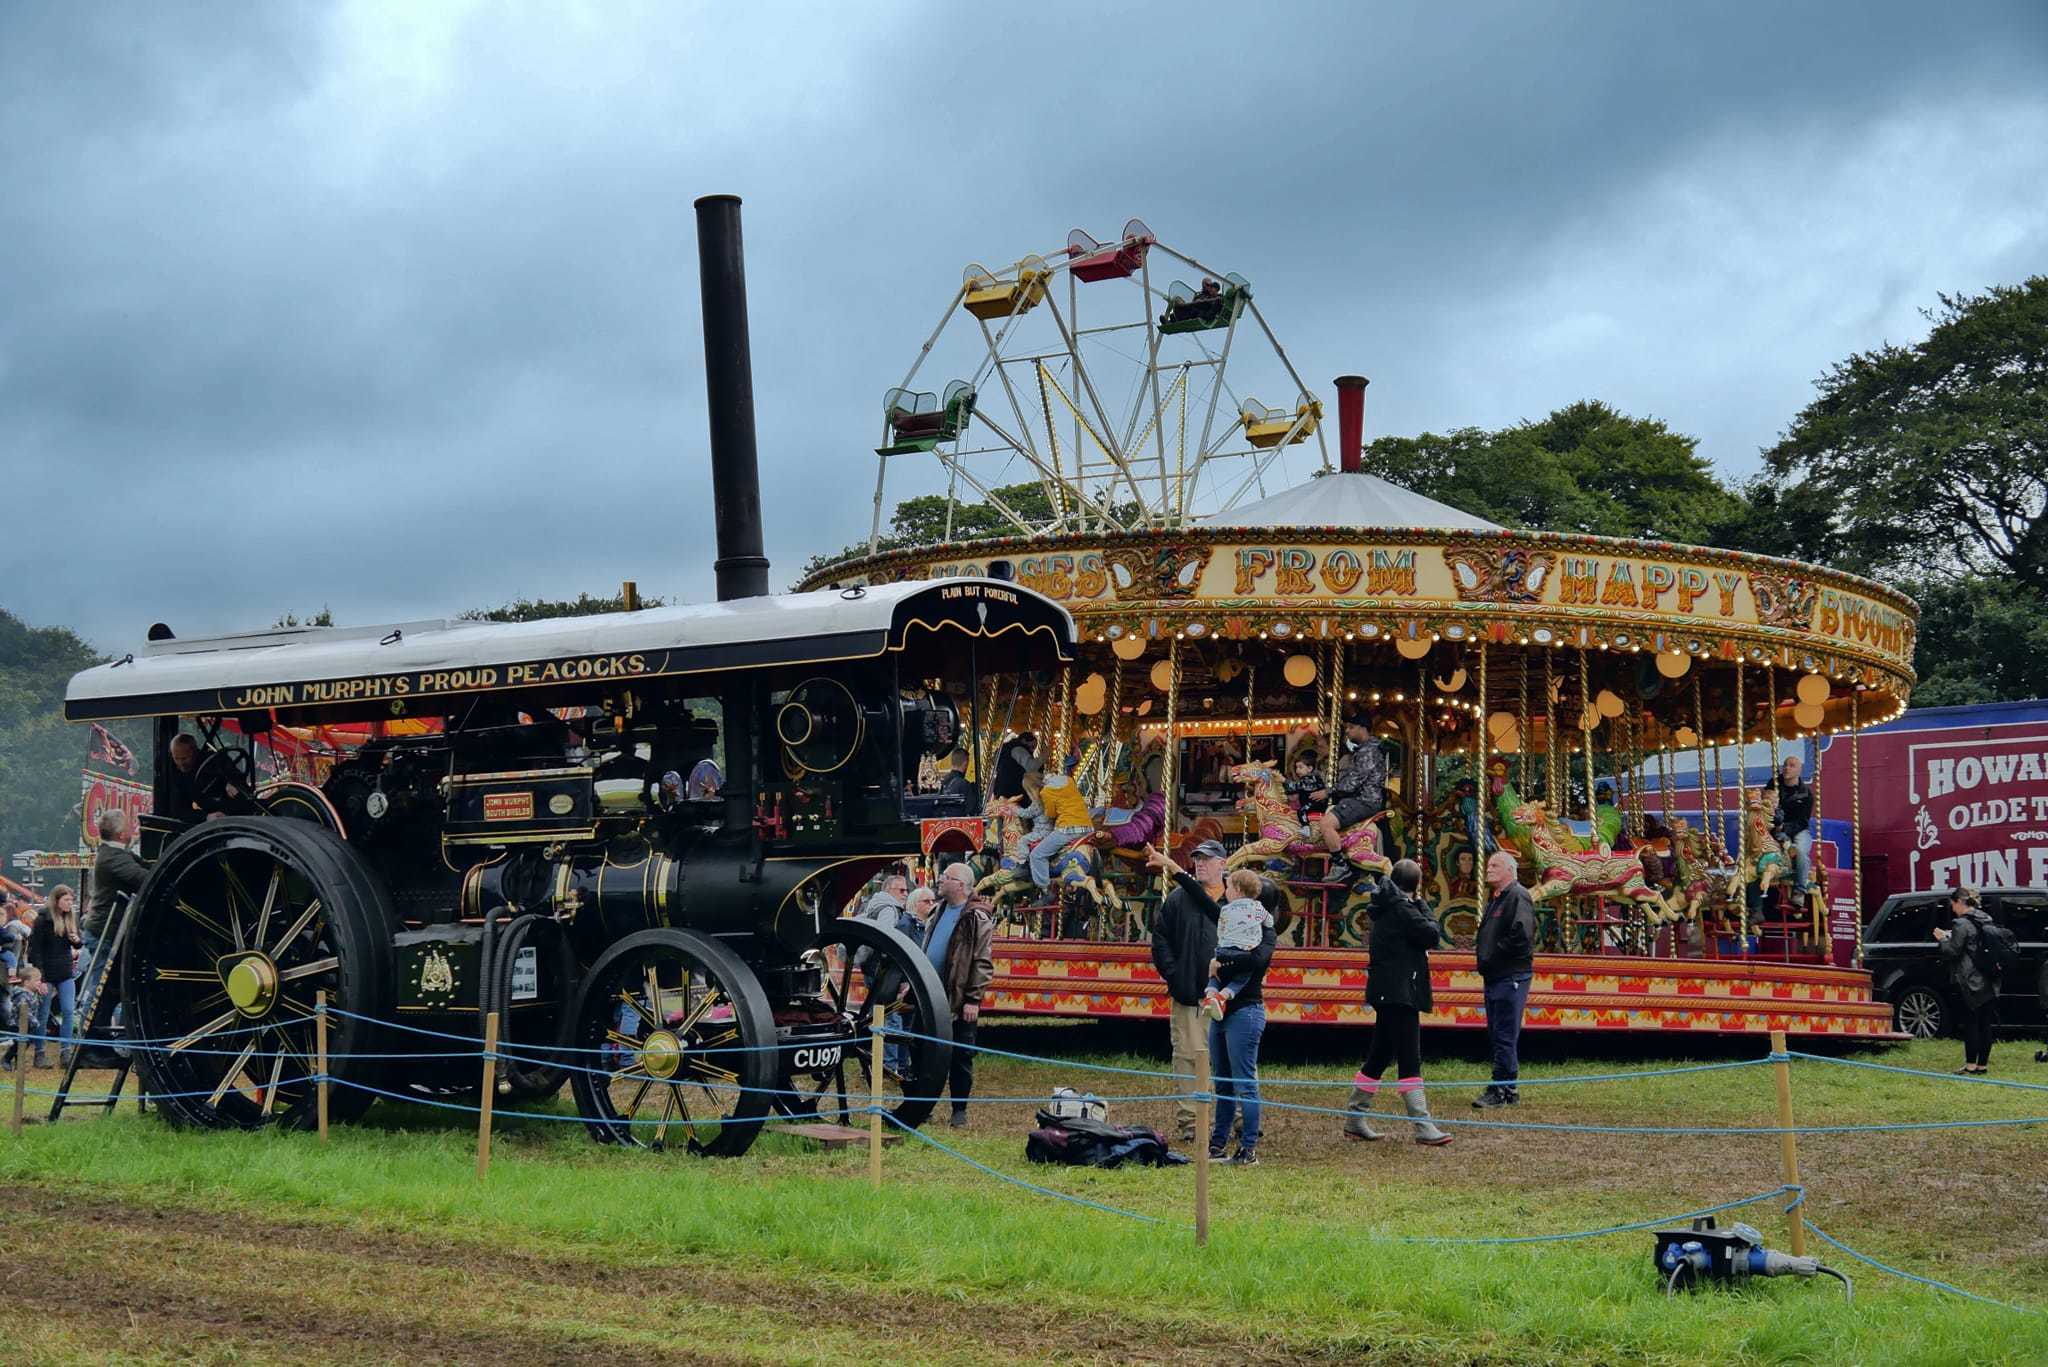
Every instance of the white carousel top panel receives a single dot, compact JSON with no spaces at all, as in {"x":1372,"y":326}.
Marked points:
{"x":1350,"y":499}
{"x":684,"y":638}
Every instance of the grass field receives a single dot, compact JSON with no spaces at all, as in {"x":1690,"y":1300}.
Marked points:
{"x":384,"y":1247}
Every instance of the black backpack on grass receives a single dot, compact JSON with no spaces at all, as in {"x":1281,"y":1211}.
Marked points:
{"x":1083,"y":1143}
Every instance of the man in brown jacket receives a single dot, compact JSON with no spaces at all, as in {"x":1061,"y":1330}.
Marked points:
{"x":960,"y":940}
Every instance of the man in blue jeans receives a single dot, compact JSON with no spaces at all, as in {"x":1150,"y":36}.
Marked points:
{"x":1506,"y":950}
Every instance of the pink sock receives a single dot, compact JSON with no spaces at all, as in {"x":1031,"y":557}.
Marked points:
{"x":1408,"y":1084}
{"x":1365,"y":1084}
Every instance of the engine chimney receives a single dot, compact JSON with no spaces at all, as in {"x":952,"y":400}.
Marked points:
{"x":741,"y":567}
{"x":1350,"y":421}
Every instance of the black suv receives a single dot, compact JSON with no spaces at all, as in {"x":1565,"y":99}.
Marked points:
{"x":1907,"y":970}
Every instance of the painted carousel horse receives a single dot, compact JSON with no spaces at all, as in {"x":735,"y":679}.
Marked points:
{"x":1764,"y":861}
{"x":1705,"y":872}
{"x":1077,"y":883}
{"x":1281,"y":834}
{"x":1583,"y":873}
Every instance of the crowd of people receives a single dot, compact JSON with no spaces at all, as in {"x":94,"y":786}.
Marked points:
{"x":957,"y":932}
{"x":49,"y":951}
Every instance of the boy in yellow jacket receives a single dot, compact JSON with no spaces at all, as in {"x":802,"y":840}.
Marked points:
{"x":1068,"y":815}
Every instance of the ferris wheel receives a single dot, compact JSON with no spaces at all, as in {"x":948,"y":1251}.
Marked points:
{"x":1129,"y":405}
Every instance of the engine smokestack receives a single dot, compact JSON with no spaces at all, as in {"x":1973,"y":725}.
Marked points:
{"x":1350,"y":422}
{"x":741,"y":567}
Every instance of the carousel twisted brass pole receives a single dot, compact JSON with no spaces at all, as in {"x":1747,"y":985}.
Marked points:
{"x":1741,"y":801}
{"x":1589,"y":717}
{"x":1114,"y":727}
{"x":1336,"y":731}
{"x":1421,"y":729}
{"x":1481,"y":745}
{"x":1771,"y":682}
{"x":1855,"y":814}
{"x":1169,"y":769}
{"x":1251,"y":675}
{"x":1820,"y":913}
{"x":1522,"y":723}
{"x":989,"y":734}
{"x":1063,"y":720}
{"x":1550,"y":766}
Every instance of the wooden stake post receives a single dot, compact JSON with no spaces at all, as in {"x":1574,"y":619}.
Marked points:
{"x":490,"y":1094}
{"x":1788,"y":1142}
{"x":1207,"y":1118}
{"x":320,"y":1050}
{"x":20,"y":1078}
{"x":875,"y":1104}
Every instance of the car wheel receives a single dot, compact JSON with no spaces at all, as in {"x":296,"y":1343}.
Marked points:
{"x":1921,"y":1013}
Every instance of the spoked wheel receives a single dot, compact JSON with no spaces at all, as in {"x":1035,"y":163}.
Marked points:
{"x":242,"y":921}
{"x":672,"y":1046}
{"x":864,"y":964}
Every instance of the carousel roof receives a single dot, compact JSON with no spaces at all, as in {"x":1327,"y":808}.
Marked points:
{"x":1350,"y":499}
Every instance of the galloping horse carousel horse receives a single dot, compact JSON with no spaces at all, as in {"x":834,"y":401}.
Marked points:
{"x":1586,"y":873}
{"x":1077,"y":884}
{"x":1282,"y":835}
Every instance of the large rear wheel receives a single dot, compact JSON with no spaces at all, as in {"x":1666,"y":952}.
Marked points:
{"x":241,"y":923}
{"x":673,"y":1046}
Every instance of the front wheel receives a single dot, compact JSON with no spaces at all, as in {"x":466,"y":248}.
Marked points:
{"x":674,"y":1046}
{"x":1921,"y":1012}
{"x":863,"y":965}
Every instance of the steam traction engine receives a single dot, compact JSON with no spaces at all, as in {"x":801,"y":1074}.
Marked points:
{"x":506,"y":832}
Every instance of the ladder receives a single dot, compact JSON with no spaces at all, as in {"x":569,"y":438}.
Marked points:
{"x":96,"y":1020}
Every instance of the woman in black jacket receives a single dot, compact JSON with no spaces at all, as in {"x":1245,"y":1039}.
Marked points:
{"x":1397,"y":989}
{"x":52,"y":945}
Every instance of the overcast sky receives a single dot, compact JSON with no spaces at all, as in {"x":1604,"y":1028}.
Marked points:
{"x":393,"y":307}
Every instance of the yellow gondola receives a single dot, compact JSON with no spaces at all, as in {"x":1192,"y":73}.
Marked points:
{"x":1265,"y":427}
{"x":990,"y":299}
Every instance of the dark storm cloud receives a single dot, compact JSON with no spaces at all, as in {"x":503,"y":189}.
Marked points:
{"x":393,"y":308}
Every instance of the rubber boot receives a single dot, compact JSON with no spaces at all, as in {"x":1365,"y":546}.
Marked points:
{"x":1359,"y":1106}
{"x":42,"y":1060}
{"x":1425,"y":1129}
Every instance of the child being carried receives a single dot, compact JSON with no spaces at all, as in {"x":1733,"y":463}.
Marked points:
{"x":1240,"y":926}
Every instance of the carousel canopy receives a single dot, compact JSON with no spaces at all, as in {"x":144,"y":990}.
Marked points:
{"x":1350,"y":499}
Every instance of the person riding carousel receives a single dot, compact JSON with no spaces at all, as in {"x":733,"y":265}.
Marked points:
{"x":1359,"y":793}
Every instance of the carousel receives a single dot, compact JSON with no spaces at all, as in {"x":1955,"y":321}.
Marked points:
{"x":1254,"y":615}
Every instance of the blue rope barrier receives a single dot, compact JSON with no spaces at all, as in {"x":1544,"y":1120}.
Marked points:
{"x":1020,"y":1182}
{"x":1921,"y":1072}
{"x":590,"y":1049}
{"x":1865,"y":1258}
{"x":1560,"y":1126}
{"x":497,"y":1114}
{"x":1612,"y":1229}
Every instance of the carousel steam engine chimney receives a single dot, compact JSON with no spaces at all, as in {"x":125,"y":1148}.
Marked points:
{"x":1350,"y":421}
{"x":741,"y":567}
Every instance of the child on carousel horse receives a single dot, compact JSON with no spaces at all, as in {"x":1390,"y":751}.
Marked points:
{"x":1358,"y":793}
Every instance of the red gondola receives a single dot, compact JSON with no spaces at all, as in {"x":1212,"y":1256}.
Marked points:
{"x":1090,"y":260}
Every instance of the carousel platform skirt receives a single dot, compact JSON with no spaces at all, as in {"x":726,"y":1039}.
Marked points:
{"x":1591,"y":992}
